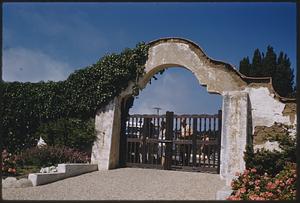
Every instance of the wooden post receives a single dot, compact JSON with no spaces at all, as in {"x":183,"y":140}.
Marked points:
{"x":219,"y":137}
{"x":146,"y":130}
{"x":194,"y":140}
{"x":169,"y":137}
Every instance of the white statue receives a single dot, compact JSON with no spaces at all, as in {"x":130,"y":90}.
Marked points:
{"x":41,"y":143}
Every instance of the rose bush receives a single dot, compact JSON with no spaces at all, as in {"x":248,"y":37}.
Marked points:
{"x":51,"y":155}
{"x":8,"y":164}
{"x":250,"y":185}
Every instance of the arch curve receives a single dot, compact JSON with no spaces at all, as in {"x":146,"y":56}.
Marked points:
{"x":215,"y":75}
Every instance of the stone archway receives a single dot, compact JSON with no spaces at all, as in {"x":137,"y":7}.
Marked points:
{"x":219,"y":77}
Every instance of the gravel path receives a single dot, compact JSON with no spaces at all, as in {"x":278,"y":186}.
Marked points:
{"x":124,"y":184}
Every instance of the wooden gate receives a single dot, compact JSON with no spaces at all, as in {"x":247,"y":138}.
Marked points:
{"x":174,"y":142}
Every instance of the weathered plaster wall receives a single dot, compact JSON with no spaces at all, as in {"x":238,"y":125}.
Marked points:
{"x":270,"y":116}
{"x":105,"y":151}
{"x":266,"y":109}
{"x":234,"y":134}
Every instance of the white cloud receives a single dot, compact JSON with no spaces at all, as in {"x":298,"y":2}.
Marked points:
{"x":25,"y":65}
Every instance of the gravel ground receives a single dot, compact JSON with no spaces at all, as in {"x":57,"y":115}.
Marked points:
{"x":124,"y":184}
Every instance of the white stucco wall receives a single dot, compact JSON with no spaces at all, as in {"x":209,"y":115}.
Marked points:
{"x":266,"y":110}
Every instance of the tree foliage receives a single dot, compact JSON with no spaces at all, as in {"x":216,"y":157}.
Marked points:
{"x":269,"y":65}
{"x":74,"y":133}
{"x":25,"y":106}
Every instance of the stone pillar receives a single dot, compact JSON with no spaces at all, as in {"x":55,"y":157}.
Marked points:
{"x":105,"y":151}
{"x":234,"y":134}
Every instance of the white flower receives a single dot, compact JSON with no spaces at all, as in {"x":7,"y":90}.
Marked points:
{"x":41,"y":143}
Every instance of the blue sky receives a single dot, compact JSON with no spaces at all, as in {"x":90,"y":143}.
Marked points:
{"x":48,"y":41}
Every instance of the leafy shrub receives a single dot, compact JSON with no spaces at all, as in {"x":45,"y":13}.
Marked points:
{"x":263,"y":160}
{"x":51,"y":155}
{"x":73,"y":133}
{"x":272,"y":162}
{"x":252,"y":186}
{"x":8,"y":164}
{"x":24,"y":106}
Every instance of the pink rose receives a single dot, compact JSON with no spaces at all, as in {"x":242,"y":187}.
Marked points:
{"x":257,"y":182}
{"x":270,"y":186}
{"x":273,"y":186}
{"x":253,"y":170}
{"x":269,"y":194}
{"x":253,"y":197}
{"x":243,"y":190}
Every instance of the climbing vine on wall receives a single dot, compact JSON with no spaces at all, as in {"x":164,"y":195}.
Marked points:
{"x":24,"y":106}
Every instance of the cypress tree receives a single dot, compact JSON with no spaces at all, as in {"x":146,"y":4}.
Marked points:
{"x":269,"y":63}
{"x":270,"y":66}
{"x":245,"y":66}
{"x":256,"y":65}
{"x":283,"y":76}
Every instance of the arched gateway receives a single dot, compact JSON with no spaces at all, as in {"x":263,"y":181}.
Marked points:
{"x":247,"y":102}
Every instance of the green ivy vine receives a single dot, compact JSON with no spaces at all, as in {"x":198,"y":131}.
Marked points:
{"x":25,"y":106}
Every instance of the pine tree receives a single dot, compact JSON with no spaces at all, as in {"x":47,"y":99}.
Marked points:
{"x":269,"y":66}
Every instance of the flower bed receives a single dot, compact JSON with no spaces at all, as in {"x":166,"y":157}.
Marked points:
{"x":51,"y":155}
{"x":31,"y":160}
{"x":8,"y":164}
{"x":252,"y":186}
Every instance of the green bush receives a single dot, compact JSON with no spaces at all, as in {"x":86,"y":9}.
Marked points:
{"x":263,"y":160}
{"x":50,"y":155}
{"x":25,"y":106}
{"x":251,"y":185}
{"x":73,"y":133}
{"x":272,"y":162}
